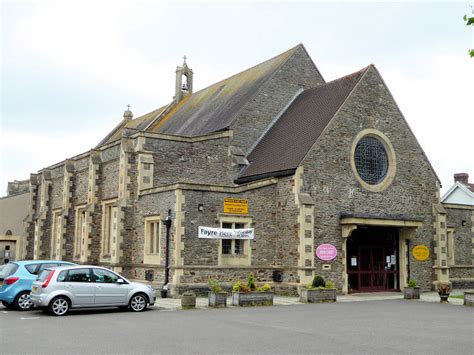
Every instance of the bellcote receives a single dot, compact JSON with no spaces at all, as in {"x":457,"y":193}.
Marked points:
{"x":184,"y":81}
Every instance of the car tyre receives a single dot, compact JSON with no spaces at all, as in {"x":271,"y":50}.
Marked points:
{"x":58,"y":306}
{"x":22,"y":301}
{"x":138,"y":302}
{"x":8,"y":305}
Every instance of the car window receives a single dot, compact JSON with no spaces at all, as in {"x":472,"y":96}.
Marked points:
{"x":8,"y":270}
{"x":46,"y":266}
{"x":62,"y":276}
{"x":44,"y":275}
{"x":31,"y":268}
{"x":104,"y":276}
{"x":78,"y":275}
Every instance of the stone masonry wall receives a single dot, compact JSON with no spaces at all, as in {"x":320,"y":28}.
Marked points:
{"x":57,"y":193}
{"x":272,"y":97}
{"x":203,"y":162}
{"x":463,"y":235}
{"x":150,"y":205}
{"x":329,"y":179}
{"x":110,"y":179}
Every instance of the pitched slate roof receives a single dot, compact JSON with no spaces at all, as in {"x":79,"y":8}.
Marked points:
{"x":284,"y":146}
{"x":209,"y":110}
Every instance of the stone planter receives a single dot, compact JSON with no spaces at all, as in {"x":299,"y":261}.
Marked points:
{"x":317,"y":296}
{"x":258,"y":298}
{"x":217,"y":300}
{"x":411,"y":293}
{"x":469,"y":299}
{"x":188,"y":301}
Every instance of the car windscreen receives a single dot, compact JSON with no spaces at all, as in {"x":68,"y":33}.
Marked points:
{"x":8,"y":270}
{"x":44,"y":275}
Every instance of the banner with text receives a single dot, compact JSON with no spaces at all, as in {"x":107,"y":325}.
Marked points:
{"x":225,"y":233}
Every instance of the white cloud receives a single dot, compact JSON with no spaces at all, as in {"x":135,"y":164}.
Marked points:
{"x":89,"y":39}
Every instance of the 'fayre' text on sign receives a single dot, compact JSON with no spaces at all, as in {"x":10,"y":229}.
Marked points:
{"x":225,"y":233}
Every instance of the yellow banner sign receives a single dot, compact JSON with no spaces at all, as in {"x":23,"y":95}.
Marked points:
{"x":236,"y":205}
{"x":421,"y":252}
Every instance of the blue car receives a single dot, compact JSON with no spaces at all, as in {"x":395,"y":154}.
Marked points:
{"x":16,"y":279}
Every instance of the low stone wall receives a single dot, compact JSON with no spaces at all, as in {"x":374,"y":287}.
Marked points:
{"x":469,"y":299}
{"x":461,"y":271}
{"x":462,"y":276}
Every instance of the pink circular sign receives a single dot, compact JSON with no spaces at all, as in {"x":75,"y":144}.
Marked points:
{"x":326,"y":252}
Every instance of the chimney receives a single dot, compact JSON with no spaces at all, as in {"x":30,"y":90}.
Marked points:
{"x":463,"y":178}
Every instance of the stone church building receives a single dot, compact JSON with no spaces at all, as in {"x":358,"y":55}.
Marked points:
{"x":321,"y":177}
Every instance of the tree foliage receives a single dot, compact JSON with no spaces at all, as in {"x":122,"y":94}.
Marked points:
{"x":469,"y":22}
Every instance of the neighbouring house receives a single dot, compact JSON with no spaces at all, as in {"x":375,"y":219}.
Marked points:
{"x":458,"y":202}
{"x":13,"y":213}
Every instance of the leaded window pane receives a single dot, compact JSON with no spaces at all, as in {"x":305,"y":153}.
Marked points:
{"x":226,"y":246}
{"x":371,"y":160}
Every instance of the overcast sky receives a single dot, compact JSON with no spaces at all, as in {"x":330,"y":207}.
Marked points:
{"x":69,"y":68}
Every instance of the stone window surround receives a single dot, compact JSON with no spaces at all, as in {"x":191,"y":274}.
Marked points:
{"x":450,"y":245}
{"x":235,"y":259}
{"x":79,"y":218}
{"x":392,"y":163}
{"x":107,"y":230}
{"x":156,"y":222}
{"x":56,"y":234}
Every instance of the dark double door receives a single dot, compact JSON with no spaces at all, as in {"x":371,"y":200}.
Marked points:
{"x":373,"y":261}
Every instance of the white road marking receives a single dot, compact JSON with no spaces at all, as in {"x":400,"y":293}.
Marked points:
{"x":29,"y":318}
{"x":5,"y":311}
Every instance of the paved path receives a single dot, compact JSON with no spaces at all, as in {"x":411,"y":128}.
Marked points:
{"x":201,"y":302}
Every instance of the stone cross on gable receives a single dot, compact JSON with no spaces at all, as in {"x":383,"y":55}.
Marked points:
{"x":184,"y":59}
{"x":128,"y":107}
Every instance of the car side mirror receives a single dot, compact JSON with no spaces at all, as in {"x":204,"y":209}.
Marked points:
{"x":120,"y":281}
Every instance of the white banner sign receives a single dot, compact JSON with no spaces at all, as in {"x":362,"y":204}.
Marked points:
{"x":225,"y":233}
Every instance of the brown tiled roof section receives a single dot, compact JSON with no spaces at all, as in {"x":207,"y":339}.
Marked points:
{"x":285,"y":145}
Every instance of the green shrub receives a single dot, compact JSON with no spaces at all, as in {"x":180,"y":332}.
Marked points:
{"x":265,"y":288}
{"x":215,"y":286}
{"x":318,"y":281}
{"x":251,"y":282}
{"x":330,"y":284}
{"x":412,"y":283}
{"x":240,"y":287}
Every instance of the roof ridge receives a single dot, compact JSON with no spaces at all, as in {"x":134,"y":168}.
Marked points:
{"x":348,"y":76}
{"x":252,"y":67}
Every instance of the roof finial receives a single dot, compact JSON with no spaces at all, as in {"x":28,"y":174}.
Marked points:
{"x":184,"y":59}
{"x":128,"y":115}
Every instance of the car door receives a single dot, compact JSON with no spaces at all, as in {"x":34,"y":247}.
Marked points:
{"x":107,"y":291}
{"x":80,"y":286}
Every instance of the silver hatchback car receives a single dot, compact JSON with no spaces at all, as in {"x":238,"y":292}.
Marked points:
{"x":57,"y":290}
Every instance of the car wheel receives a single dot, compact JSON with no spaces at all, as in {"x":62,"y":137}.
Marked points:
{"x":59,"y":306}
{"x":8,"y":305}
{"x":22,"y":301}
{"x":138,"y":302}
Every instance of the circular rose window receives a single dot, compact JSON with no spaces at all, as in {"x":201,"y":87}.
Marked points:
{"x":371,"y":160}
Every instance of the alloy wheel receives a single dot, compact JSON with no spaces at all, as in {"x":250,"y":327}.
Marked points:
{"x":138,"y":303}
{"x":59,"y":306}
{"x":23,"y":301}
